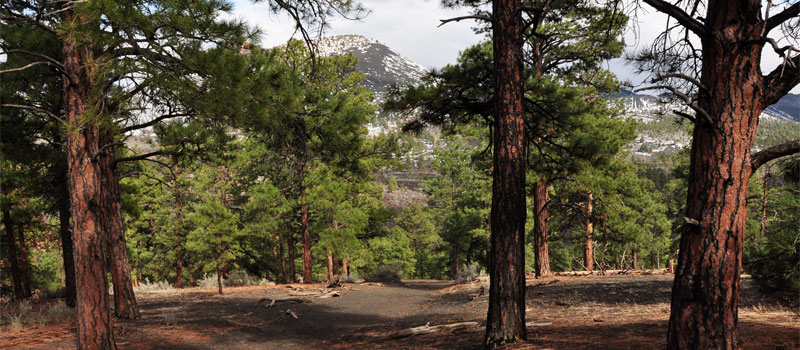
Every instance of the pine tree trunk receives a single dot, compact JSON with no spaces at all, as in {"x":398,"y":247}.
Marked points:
{"x":179,"y":269}
{"x":345,"y":271}
{"x":292,"y":257}
{"x":307,"y":275}
{"x":178,"y":206}
{"x":541,"y":215}
{"x":16,"y":272}
{"x":282,"y":256}
{"x":635,"y":260}
{"x":454,"y":267}
{"x":763,"y":222}
{"x":275,"y":257}
{"x":85,"y":177}
{"x":124,"y":297}
{"x":588,"y":250}
{"x":24,"y":265}
{"x":64,"y":231}
{"x":506,"y":257}
{"x":330,"y":264}
{"x":705,"y":293}
{"x":219,"y":281}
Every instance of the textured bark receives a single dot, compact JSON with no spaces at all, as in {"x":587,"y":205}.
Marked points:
{"x":124,"y":297}
{"x":282,"y":256}
{"x":705,"y":294}
{"x":307,"y":276}
{"x":454,"y":267}
{"x":16,"y":272}
{"x":329,"y":261}
{"x":94,"y":319}
{"x":345,"y":269}
{"x":219,"y":281}
{"x":541,"y":215}
{"x":178,"y":205}
{"x":24,"y":264}
{"x":588,"y":248}
{"x":65,"y":232}
{"x":635,"y":260}
{"x":292,"y":256}
{"x":505,"y":321}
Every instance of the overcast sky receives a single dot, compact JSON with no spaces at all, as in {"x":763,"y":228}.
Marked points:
{"x":410,"y":28}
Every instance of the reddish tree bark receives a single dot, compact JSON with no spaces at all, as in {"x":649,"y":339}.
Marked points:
{"x":292,"y":256}
{"x":635,"y":260}
{"x":345,"y":269}
{"x":588,"y":250}
{"x":505,"y":321}
{"x":65,"y":232}
{"x":307,"y":276}
{"x":24,"y":264}
{"x":330,"y":264}
{"x":541,"y":214}
{"x":124,"y":297}
{"x":16,"y":272}
{"x":282,"y":255}
{"x":733,"y":93}
{"x":85,"y":175}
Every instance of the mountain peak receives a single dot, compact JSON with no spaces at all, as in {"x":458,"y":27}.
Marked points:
{"x":381,"y":65}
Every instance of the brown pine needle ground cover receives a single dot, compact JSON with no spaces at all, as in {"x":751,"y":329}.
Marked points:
{"x":591,"y":312}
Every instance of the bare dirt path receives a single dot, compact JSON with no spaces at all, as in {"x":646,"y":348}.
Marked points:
{"x":593,"y":312}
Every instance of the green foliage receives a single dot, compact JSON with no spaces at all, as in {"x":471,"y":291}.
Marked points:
{"x":774,"y":259}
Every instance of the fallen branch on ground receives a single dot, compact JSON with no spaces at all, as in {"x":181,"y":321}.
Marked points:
{"x":428,"y":329}
{"x":274,"y":301}
{"x":614,"y":272}
{"x":539,"y":284}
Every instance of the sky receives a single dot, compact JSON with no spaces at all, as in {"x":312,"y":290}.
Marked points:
{"x":411,"y":28}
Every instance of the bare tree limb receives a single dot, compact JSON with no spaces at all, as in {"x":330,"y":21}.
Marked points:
{"x":461,"y":18}
{"x":139,"y":157}
{"x":762,"y":157}
{"x":682,"y":17}
{"x":680,"y":76}
{"x":29,"y":65}
{"x":780,"y":81}
{"x":18,"y":18}
{"x":33,"y":108}
{"x":153,"y":122}
{"x":686,"y":100}
{"x":785,"y":15}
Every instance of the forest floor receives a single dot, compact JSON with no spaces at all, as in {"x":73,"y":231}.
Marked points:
{"x":590,"y":312}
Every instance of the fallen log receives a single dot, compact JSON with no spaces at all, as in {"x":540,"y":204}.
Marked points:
{"x":614,"y":272}
{"x":539,"y":284}
{"x":281,"y":300}
{"x":428,"y":329}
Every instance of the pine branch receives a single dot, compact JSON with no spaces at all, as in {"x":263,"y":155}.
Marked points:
{"x":682,"y":17}
{"x":153,"y":122}
{"x":686,"y":100}
{"x":33,"y":108}
{"x":780,"y":81}
{"x":139,"y":157}
{"x":785,"y":15}
{"x":762,"y":157}
{"x":461,"y":18}
{"x":29,"y":65}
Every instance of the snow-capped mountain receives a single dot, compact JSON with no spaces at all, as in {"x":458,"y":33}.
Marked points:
{"x":381,"y":65}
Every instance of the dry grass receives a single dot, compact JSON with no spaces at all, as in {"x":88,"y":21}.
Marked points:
{"x":22,"y":315}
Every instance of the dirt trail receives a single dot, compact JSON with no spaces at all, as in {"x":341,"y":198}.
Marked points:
{"x":594,"y":312}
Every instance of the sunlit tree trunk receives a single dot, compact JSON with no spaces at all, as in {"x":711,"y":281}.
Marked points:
{"x":588,"y":248}
{"x":83,"y":137}
{"x":541,"y":215}
{"x":505,"y":321}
